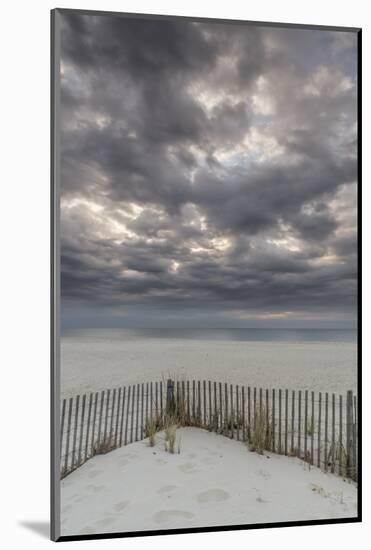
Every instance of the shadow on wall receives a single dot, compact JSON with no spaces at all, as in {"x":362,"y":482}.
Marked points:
{"x":41,"y":528}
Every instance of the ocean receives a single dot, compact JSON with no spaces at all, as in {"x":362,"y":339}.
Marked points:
{"x":313,"y":359}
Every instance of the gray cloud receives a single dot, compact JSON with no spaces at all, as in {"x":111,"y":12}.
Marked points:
{"x":208,"y":167}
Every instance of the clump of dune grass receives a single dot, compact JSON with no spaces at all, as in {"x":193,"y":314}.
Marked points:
{"x":104,"y":446}
{"x":310,"y":427}
{"x":338,"y":454}
{"x":260,"y":437}
{"x":151,"y":430}
{"x":170,"y":437}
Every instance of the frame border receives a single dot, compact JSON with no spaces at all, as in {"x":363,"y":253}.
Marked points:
{"x":55,"y":277}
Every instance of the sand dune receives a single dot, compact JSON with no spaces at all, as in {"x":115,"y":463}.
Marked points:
{"x":212,"y":481}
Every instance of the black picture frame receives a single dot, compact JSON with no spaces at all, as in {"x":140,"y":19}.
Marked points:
{"x":55,"y":278}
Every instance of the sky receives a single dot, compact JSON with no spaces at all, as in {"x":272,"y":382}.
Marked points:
{"x":208,"y":174}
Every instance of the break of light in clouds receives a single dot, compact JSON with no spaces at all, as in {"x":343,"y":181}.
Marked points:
{"x":208,"y":174}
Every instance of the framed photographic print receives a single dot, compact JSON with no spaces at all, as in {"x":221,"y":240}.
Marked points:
{"x":205,"y":280}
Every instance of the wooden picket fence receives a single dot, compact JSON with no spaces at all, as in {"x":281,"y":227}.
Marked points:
{"x":319,"y":428}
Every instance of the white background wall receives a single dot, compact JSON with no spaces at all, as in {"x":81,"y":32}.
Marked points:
{"x":24,"y":232}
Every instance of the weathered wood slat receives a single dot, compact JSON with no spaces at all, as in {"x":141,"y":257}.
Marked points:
{"x":142,"y":409}
{"x":151,"y":400}
{"x":260,"y":402}
{"x":355,"y":471}
{"x":106,"y":415}
{"x":68,"y":434}
{"x":226,"y":418}
{"x":249,"y":408}
{"x":340,"y":435}
{"x":204,"y":393}
{"x":306,"y":425}
{"x":254,"y":404}
{"x":147,"y":404}
{"x":237,"y":413}
{"x":127,"y":416}
{"x":110,"y":435}
{"x":273,"y":420}
{"x":319,"y":429}
{"x":93,"y":429}
{"x":156,"y":398}
{"x":292,"y":421}
{"x":62,"y":425}
{"x":88,"y":426}
{"x":267,"y":419}
{"x":188,"y":404}
{"x":216,"y":409}
{"x":79,"y":453}
{"x":312,"y":434}
{"x":211,"y":423}
{"x":326,"y":430}
{"x":132,"y":414}
{"x":221,"y":407}
{"x":232,"y":410}
{"x":193,"y":401}
{"x":333,"y":457}
{"x":137,"y":413}
{"x":122,"y":415}
{"x":118,"y":411}
{"x":286,"y":419}
{"x":279,"y":421}
{"x":243,"y":414}
{"x":199,"y":401}
{"x":75,"y":432}
{"x":299,"y":425}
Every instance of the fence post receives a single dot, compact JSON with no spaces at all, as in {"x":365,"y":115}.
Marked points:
{"x":279,"y":421}
{"x":286,"y":418}
{"x":326,"y":430}
{"x":333,"y":455}
{"x":75,"y":432}
{"x":243,"y":415}
{"x":292,"y":421}
{"x":355,"y":439}
{"x":221,"y":407}
{"x":306,"y":426}
{"x":62,"y":425}
{"x":349,"y":432}
{"x":340,"y":434}
{"x":319,"y":429}
{"x":170,"y":401}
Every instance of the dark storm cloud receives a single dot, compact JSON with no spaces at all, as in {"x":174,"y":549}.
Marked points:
{"x":208,"y":167}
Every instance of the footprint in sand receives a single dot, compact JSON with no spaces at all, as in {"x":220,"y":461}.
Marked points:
{"x":188,"y":467}
{"x":161,"y":461}
{"x":166,"y":516}
{"x":166,"y":489}
{"x":120,"y":505}
{"x":132,"y":455}
{"x":213,"y":495}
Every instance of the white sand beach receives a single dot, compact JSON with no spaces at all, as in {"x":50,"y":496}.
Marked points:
{"x":212,"y":481}
{"x":96,"y":361}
